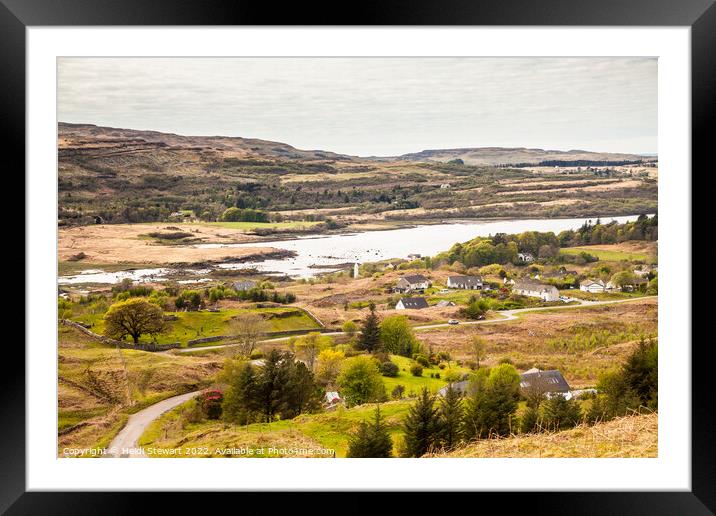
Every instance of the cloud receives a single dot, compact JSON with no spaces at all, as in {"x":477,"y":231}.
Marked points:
{"x":374,"y":106}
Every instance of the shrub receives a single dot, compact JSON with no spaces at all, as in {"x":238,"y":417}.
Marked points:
{"x":416,"y":370}
{"x":421,"y":359}
{"x":398,"y":391}
{"x":360,"y":381}
{"x":389,"y":369}
{"x":452,"y":376}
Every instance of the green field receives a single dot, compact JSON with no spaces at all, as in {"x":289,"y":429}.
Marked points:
{"x":196,"y":325}
{"x":613,"y":256}
{"x":413,"y":384}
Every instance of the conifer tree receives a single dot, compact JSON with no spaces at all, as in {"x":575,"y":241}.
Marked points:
{"x":421,"y":426}
{"x":450,"y":418}
{"x":372,"y":439}
{"x":369,"y":339}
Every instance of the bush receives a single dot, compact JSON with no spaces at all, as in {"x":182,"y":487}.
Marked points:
{"x":360,"y":381}
{"x":416,"y":370}
{"x":452,"y":376}
{"x":421,"y":359}
{"x":397,"y":393}
{"x":389,"y":369}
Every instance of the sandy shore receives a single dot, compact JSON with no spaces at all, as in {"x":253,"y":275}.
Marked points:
{"x":123,"y":243}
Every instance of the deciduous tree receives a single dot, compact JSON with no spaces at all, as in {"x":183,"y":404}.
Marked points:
{"x":134,"y":317}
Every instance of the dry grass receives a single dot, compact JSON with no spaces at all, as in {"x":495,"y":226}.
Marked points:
{"x":92,"y":408}
{"x":525,"y":341}
{"x":627,"y":437}
{"x":122,"y":243}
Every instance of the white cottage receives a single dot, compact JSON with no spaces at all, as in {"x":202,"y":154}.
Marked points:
{"x":531,"y":288}
{"x":593,"y":286}
{"x":465,"y":282}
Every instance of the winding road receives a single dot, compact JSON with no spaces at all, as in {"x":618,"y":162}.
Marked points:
{"x":125,"y":444}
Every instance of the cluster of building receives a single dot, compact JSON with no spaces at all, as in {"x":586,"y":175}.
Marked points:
{"x":417,"y":283}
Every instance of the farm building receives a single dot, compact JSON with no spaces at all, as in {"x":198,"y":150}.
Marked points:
{"x":531,"y":288}
{"x":412,"y":282}
{"x":465,"y":282}
{"x":444,"y":303}
{"x":593,"y":286}
{"x":411,"y":303}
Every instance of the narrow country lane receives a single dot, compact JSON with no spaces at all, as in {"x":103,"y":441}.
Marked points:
{"x":125,"y":443}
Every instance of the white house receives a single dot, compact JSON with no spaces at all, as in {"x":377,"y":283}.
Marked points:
{"x":411,"y":303}
{"x":531,"y":288}
{"x":412,"y":282}
{"x":525,"y":257}
{"x":465,"y":282}
{"x":593,"y":286}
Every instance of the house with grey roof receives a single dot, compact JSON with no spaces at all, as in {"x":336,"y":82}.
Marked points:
{"x":548,"y":383}
{"x":465,"y":282}
{"x":412,"y":282}
{"x":411,"y":303}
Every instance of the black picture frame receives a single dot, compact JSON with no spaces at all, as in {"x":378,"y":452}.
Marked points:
{"x":17,"y":15}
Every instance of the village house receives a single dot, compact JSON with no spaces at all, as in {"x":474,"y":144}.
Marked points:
{"x":593,"y":286}
{"x":411,"y":303}
{"x":444,"y":303}
{"x":525,"y":257}
{"x":241,"y":286}
{"x":635,"y":284}
{"x":531,"y":288}
{"x":413,"y":256}
{"x":548,"y":383}
{"x":560,"y":274}
{"x":414,"y":282}
{"x":465,"y":282}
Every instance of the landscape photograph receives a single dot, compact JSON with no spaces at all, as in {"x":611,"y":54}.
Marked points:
{"x":357,"y":257}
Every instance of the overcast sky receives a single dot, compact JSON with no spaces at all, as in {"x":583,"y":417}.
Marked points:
{"x":374,"y":106}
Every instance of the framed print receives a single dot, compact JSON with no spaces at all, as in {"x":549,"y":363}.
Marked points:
{"x":416,"y":249}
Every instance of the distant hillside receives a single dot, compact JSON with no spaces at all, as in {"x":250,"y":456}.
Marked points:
{"x":519,"y":155}
{"x":75,"y":138}
{"x":123,"y":175}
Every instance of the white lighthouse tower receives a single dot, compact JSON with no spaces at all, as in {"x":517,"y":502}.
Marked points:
{"x":356,"y":273}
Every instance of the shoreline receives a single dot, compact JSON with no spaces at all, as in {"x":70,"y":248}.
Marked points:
{"x":282,"y":254}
